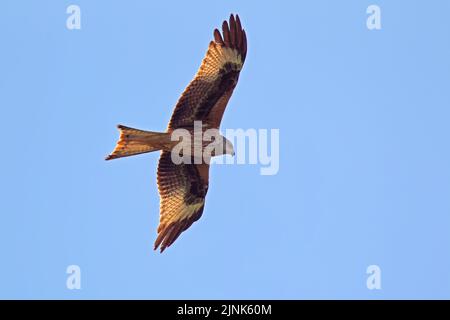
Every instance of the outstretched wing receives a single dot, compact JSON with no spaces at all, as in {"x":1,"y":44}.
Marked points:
{"x":182,"y":189}
{"x":207,"y":95}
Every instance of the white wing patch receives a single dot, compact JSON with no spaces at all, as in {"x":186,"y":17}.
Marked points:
{"x":177,"y":211}
{"x":216,"y":57}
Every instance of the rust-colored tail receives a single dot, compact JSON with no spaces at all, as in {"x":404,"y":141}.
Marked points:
{"x":134,"y":141}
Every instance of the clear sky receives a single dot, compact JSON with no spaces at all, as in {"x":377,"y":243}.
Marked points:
{"x":364,"y":174}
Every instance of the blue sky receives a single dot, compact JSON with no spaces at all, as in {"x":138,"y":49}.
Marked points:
{"x":364,"y":173}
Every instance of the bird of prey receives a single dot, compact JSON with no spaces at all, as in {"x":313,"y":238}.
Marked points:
{"x":183,"y":186}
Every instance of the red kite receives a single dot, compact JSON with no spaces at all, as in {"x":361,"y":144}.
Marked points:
{"x":183,"y":187}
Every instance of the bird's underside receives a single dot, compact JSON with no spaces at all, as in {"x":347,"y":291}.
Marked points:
{"x":183,"y":187}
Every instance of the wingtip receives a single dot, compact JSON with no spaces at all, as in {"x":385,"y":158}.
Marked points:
{"x":224,"y":25}
{"x":238,"y":22}
{"x":111,"y":156}
{"x":218,"y":37}
{"x":233,"y":35}
{"x":161,"y":249}
{"x":235,"y":17}
{"x":158,"y":244}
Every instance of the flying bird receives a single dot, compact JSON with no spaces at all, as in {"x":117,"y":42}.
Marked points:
{"x":183,"y":187}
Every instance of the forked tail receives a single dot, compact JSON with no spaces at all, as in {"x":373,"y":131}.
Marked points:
{"x":134,"y":141}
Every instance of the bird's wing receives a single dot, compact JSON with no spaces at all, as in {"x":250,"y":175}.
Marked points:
{"x":182,"y":189}
{"x":206,"y":97}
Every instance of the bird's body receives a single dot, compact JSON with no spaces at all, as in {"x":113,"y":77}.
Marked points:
{"x":183,"y":186}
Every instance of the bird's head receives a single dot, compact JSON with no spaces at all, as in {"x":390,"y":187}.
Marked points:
{"x":228,"y":147}
{"x":222,"y":146}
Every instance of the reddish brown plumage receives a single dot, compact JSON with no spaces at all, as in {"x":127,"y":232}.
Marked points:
{"x":212,"y":81}
{"x":183,"y":187}
{"x":218,"y":37}
{"x":205,"y":99}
